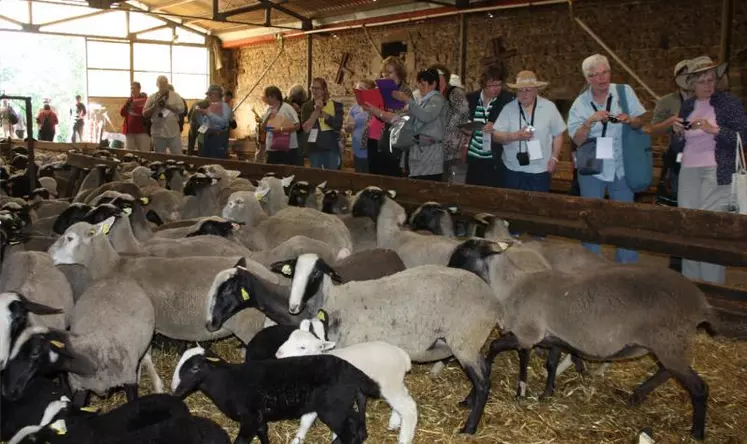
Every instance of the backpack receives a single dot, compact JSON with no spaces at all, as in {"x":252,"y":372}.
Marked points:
{"x":47,"y":126}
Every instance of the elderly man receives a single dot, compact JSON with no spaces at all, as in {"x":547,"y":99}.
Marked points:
{"x":215,"y":120}
{"x":163,"y":109}
{"x":531,"y":131}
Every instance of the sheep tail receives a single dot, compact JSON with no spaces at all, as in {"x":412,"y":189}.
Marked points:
{"x":727,"y":323}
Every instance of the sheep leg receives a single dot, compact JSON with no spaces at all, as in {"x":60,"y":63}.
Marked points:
{"x":360,"y":399}
{"x":130,"y":392}
{"x":395,"y":420}
{"x":524,"y":354}
{"x":479,"y":374}
{"x":507,"y":342}
{"x":262,"y":433}
{"x":698,"y":396}
{"x":81,"y":398}
{"x":641,"y":392}
{"x":147,"y":362}
{"x":307,"y":421}
{"x":343,"y":423}
{"x":551,"y":365}
{"x":249,"y":428}
{"x":404,"y":407}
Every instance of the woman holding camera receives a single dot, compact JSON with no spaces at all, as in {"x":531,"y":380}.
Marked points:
{"x":597,"y":114}
{"x":706,"y":138}
{"x":531,"y":131}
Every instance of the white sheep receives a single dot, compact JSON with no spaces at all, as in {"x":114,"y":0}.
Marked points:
{"x":383,"y":362}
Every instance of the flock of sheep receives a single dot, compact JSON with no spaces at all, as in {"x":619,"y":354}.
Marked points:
{"x":334,"y":294}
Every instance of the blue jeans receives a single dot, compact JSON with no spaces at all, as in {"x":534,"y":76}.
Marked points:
{"x":518,"y":180}
{"x":328,"y":160}
{"x":618,"y":191}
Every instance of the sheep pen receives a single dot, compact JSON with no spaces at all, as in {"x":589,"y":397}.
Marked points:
{"x":585,"y":409}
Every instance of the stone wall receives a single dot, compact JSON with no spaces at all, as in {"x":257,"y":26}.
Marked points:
{"x":646,"y":34}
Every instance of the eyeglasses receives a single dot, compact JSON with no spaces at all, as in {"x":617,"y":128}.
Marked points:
{"x":494,"y":85}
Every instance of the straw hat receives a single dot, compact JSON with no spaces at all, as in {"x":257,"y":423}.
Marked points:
{"x":456,"y":81}
{"x":215,"y":89}
{"x":681,"y":70}
{"x":527,"y":79}
{"x":703,"y":64}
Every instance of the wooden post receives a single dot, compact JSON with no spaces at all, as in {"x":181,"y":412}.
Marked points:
{"x":373,"y":44}
{"x":727,"y":12}
{"x":309,"y":54}
{"x":463,"y":48}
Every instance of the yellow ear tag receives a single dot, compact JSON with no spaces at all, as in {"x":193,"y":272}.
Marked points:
{"x":127,"y":211}
{"x":144,"y":200}
{"x":286,"y":270}
{"x":59,"y":426}
{"x":57,"y":344}
{"x":212,"y":359}
{"x":245,"y":294}
{"x":162,"y":176}
{"x":89,"y":409}
{"x":106,"y":228}
{"x":321,"y":316}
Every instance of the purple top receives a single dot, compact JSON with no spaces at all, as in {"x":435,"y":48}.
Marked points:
{"x":731,"y":119}
{"x":700,"y":147}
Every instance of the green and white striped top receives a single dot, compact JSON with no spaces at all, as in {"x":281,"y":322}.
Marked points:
{"x":476,"y":148}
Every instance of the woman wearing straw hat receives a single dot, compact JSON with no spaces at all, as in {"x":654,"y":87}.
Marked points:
{"x":595,"y":112}
{"x":706,"y":136}
{"x":531,"y":131}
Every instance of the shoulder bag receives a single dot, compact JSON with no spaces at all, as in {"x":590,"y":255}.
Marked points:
{"x":638,"y":159}
{"x":586,"y":160}
{"x":738,"y":202}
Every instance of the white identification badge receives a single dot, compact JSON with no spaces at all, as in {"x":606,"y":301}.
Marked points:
{"x":165,"y":113}
{"x":203,"y":128}
{"x":535,"y":149}
{"x":487,"y":141}
{"x":312,"y":135}
{"x":679,"y":157}
{"x":604,"y":148}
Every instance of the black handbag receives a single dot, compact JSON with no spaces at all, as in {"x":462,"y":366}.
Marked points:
{"x":586,"y":160}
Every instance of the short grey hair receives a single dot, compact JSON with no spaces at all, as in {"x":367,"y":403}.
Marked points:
{"x":593,"y":61}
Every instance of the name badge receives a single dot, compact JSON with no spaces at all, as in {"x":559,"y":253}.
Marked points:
{"x":535,"y":150}
{"x":487,"y":141}
{"x":165,"y":113}
{"x":679,"y":158}
{"x":203,"y":128}
{"x":604,"y":148}
{"x":312,"y":135}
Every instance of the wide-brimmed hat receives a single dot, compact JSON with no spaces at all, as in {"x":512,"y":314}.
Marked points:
{"x":215,"y":89}
{"x":456,"y":81}
{"x":527,"y":79}
{"x":680,"y":73}
{"x":703,"y":64}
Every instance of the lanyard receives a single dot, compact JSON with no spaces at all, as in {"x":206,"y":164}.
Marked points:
{"x":522,"y":116}
{"x":609,"y":106}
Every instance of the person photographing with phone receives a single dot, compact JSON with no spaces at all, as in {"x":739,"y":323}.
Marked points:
{"x":531,"y":130}
{"x":133,"y":126}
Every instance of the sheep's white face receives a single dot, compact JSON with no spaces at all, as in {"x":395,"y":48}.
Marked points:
{"x":75,"y":246}
{"x":239,"y":206}
{"x":303,"y":343}
{"x":6,"y":322}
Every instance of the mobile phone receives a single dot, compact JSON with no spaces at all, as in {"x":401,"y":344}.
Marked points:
{"x":613,"y":119}
{"x":687,"y":124}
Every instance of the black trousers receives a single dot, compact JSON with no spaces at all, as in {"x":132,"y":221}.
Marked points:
{"x":483,"y":172}
{"x":431,"y":177}
{"x":289,"y":157}
{"x":382,"y":162}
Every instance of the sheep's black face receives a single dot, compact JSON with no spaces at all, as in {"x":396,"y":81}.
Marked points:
{"x":472,"y":255}
{"x":232,"y":292}
{"x":47,"y":171}
{"x":190,"y":372}
{"x":428,"y":217}
{"x":21,"y":150}
{"x":299,"y":192}
{"x":20,"y":162}
{"x":40,"y":193}
{"x":220,"y":228}
{"x":330,"y":201}
{"x":19,"y":185}
{"x":73,"y":214}
{"x":102,"y":213}
{"x":129,"y":158}
{"x":196,"y":183}
{"x":368,"y":203}
{"x":21,"y":211}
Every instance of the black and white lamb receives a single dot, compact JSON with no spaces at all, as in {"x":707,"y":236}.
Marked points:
{"x":272,"y":390}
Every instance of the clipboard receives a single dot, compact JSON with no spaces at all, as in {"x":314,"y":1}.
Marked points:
{"x":386,"y":87}
{"x":371,"y":96}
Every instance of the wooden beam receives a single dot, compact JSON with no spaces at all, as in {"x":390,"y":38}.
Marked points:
{"x":700,"y":235}
{"x":309,"y":54}
{"x":727,"y":12}
{"x":463,"y":47}
{"x":172,"y":4}
{"x":77,"y":17}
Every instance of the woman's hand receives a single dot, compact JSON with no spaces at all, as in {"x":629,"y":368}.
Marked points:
{"x":599,"y":116}
{"x":523,"y":134}
{"x":488,"y":128}
{"x":318,"y":105}
{"x":623,"y":118}
{"x":401,"y":96}
{"x":706,"y":126}
{"x":677,"y":126}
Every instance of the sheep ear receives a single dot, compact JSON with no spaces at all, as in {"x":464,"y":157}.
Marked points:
{"x":286,"y":181}
{"x":391,"y":193}
{"x":305,"y":325}
{"x":328,"y":345}
{"x":326,"y":269}
{"x":348,"y":193}
{"x":102,"y":227}
{"x":260,"y":193}
{"x":287,"y":268}
{"x":241,"y":263}
{"x":322,"y":185}
{"x":500,"y":247}
{"x":505,"y":223}
{"x":233,"y":174}
{"x":483,"y":218}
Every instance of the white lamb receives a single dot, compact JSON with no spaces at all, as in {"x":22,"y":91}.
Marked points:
{"x":385,"y":363}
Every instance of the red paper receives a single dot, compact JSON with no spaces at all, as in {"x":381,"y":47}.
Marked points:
{"x":370,"y":96}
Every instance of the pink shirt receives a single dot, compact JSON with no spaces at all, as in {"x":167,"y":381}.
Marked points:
{"x":700,"y":147}
{"x":375,"y":128}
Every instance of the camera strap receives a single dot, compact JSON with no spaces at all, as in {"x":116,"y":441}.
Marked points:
{"x":524,"y":118}
{"x":609,"y":107}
